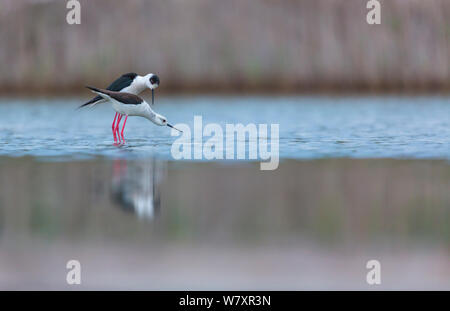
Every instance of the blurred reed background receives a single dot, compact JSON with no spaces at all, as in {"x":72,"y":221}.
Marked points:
{"x":233,"y":45}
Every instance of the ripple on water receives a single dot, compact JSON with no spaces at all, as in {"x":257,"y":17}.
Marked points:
{"x":310,"y":127}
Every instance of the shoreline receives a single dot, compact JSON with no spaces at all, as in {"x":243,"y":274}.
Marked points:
{"x":323,"y":90}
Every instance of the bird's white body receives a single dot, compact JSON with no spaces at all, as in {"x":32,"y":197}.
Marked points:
{"x":137,"y":87}
{"x":141,"y":110}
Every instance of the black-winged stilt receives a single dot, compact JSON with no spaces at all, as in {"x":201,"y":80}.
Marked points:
{"x":129,"y":83}
{"x":127,"y":104}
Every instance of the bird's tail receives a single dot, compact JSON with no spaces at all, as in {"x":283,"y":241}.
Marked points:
{"x":96,"y":100}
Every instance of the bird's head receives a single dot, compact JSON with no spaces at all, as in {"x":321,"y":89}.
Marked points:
{"x":162,"y":121}
{"x":152,"y":81}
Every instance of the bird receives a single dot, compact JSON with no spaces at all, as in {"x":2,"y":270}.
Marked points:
{"x":127,"y":104}
{"x":131,"y":83}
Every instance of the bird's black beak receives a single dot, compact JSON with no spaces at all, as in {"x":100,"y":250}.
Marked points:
{"x":153,"y":97}
{"x":171,"y":126}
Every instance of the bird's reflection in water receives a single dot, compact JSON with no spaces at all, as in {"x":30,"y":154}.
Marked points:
{"x":136,"y":186}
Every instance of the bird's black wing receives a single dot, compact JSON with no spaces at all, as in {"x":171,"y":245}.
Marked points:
{"x":126,"y":98}
{"x":121,"y":83}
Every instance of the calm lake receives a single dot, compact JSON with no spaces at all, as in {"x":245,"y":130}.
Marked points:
{"x":310,"y":127}
{"x":360,"y":178}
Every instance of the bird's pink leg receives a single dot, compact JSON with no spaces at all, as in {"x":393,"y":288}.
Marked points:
{"x":123,"y":127}
{"x":114,"y":128}
{"x":117,"y":127}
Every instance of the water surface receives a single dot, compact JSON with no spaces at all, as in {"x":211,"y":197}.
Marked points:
{"x":151,"y":224}
{"x":310,"y":127}
{"x":137,"y":219}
